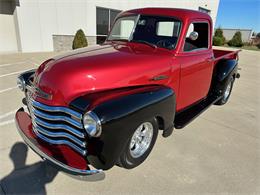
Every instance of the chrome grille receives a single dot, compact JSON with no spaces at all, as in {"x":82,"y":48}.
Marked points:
{"x":58,"y":125}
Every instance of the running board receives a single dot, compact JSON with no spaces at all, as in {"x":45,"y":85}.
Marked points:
{"x":185,"y":117}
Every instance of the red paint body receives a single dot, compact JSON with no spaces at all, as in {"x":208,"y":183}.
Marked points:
{"x":122,"y":64}
{"x":116,"y":65}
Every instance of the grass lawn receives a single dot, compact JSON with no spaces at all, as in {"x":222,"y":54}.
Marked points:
{"x":251,"y":48}
{"x":254,"y":48}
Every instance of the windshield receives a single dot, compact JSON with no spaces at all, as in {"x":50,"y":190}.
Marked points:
{"x":156,"y":31}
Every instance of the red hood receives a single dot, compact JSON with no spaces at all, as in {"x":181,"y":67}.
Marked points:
{"x":99,"y":68}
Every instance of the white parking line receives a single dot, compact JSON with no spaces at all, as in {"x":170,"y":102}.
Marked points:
{"x":8,"y":89}
{"x":7,"y":114}
{"x":35,"y":62}
{"x":11,"y":64}
{"x":7,"y":122}
{"x":11,"y":113}
{"x":12,"y":73}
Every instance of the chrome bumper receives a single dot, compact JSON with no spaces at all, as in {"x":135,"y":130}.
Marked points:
{"x":99,"y":174}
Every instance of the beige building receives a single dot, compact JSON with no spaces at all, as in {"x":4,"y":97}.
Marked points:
{"x":47,"y":25}
{"x":246,"y":33}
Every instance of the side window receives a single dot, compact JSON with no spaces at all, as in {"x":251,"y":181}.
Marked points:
{"x":202,"y":40}
{"x":190,"y":29}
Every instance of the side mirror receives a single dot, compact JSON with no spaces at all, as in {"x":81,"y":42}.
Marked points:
{"x":194,"y":36}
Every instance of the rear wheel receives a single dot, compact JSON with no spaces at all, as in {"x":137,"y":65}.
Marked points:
{"x":139,"y":145}
{"x":226,"y":92}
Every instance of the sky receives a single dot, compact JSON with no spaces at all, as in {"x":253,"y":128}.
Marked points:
{"x":239,"y":14}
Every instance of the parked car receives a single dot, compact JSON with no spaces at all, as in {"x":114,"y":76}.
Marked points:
{"x":104,"y":105}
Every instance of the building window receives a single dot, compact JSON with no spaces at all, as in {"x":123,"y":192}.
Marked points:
{"x":105,"y":19}
{"x":204,"y":10}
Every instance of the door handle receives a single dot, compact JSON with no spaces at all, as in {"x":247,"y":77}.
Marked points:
{"x":159,"y":77}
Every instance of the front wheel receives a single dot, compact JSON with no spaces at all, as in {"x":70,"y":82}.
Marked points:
{"x":139,"y":145}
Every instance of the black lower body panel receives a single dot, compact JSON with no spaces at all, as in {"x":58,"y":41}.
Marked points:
{"x":183,"y":118}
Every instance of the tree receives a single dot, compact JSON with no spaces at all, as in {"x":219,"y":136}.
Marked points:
{"x":258,"y":40}
{"x":236,"y":40}
{"x":79,"y":40}
{"x":218,"y":38}
{"x":258,"y":35}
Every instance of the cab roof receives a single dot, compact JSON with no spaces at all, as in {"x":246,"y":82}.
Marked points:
{"x":182,"y":14}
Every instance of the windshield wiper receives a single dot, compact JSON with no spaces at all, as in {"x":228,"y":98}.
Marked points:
{"x":145,"y":42}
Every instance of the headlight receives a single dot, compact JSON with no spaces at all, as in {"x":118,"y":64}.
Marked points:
{"x":92,"y":124}
{"x":21,"y":83}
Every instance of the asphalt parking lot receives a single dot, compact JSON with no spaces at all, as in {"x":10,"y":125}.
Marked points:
{"x":218,"y":153}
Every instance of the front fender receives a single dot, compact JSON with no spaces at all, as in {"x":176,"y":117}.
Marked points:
{"x":121,"y":115}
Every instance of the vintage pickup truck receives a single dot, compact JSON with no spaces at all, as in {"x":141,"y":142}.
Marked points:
{"x":104,"y":105}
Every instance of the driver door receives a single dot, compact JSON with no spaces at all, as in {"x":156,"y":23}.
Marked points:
{"x":196,"y":65}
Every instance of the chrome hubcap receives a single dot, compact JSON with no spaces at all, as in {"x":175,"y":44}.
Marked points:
{"x":141,"y":139}
{"x":227,"y":92}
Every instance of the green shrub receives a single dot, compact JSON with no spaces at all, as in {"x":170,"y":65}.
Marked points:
{"x":236,"y":40}
{"x":79,"y":40}
{"x":258,"y":35}
{"x":247,"y":43}
{"x":218,"y":41}
{"x":258,"y":45}
{"x":218,"y":38}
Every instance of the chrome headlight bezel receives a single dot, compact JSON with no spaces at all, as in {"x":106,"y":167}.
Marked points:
{"x":21,"y":83}
{"x":92,"y":124}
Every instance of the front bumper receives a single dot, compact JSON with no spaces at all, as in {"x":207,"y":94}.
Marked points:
{"x":61,"y":156}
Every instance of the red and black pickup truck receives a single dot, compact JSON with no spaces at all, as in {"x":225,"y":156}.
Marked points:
{"x":104,"y":105}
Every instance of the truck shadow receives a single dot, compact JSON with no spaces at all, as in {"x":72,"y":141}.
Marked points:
{"x":31,"y":179}
{"x":27,"y":179}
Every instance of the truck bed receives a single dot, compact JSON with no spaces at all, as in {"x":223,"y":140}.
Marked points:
{"x":224,"y":54}
{"x":185,"y":117}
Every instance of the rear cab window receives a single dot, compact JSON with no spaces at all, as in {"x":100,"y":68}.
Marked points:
{"x":167,"y":29}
